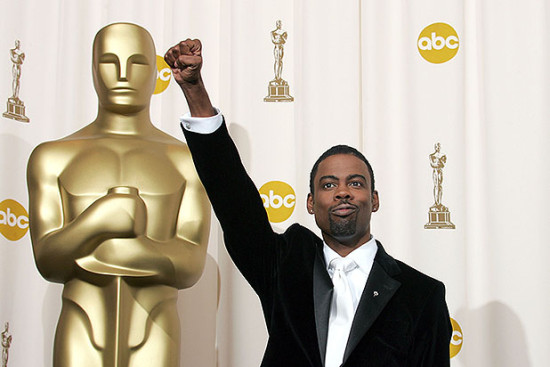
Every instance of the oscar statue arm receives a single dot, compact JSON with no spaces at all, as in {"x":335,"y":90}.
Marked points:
{"x":193,"y":227}
{"x":59,"y":241}
{"x":179,"y":259}
{"x":274,"y":37}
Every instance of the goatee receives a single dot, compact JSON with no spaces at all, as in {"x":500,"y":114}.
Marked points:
{"x":342,"y":228}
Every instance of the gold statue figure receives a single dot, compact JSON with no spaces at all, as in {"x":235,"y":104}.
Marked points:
{"x":438,"y":215}
{"x":278,"y":89}
{"x":278,"y":37}
{"x":15,"y":106}
{"x":17,"y":57}
{"x":437,"y":161}
{"x":119,"y":216}
{"x":6,"y":343}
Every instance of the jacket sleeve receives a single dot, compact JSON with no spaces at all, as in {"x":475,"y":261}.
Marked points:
{"x":248,"y":235}
{"x":434,"y":330}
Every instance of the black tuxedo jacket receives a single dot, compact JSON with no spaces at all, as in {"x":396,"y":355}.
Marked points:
{"x":402,"y":317}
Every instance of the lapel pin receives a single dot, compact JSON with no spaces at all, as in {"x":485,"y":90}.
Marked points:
{"x":375,"y":294}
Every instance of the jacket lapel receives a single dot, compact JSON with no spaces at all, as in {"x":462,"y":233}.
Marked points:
{"x":378,"y":291}
{"x":322,"y":296}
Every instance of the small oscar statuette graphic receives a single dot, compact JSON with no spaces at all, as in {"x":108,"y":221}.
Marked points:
{"x":438,"y":214}
{"x":6,"y":342}
{"x":278,"y":89}
{"x":15,"y":106}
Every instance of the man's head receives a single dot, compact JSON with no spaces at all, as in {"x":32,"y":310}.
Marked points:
{"x":342,"y":196}
{"x":339,"y":149}
{"x":124,"y":67}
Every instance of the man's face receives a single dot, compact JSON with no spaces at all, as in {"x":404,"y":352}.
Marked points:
{"x":343,"y":201}
{"x":124,"y":67}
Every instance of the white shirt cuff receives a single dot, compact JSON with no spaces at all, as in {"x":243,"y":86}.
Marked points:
{"x":201,"y":125}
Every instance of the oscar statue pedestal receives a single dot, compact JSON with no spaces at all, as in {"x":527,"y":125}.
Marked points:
{"x":278,"y":91}
{"x":15,"y":110}
{"x":439,"y":217}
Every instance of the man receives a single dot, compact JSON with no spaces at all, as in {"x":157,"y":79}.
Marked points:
{"x":119,"y":216}
{"x":401,"y":318}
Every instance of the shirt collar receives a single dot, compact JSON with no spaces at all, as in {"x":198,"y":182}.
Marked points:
{"x":363,"y":255}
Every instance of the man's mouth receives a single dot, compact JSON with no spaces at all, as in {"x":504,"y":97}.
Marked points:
{"x":343,"y":210}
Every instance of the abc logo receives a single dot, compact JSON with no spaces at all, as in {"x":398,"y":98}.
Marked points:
{"x":456,"y":339}
{"x":279,"y":200}
{"x":164,"y":74}
{"x":438,"y":43}
{"x":14,"y":220}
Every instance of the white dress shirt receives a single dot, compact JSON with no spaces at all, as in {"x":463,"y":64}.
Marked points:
{"x":202,"y":125}
{"x":364,"y":258}
{"x":340,"y":320}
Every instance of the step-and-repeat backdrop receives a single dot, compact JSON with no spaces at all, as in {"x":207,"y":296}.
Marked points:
{"x":449,"y":101}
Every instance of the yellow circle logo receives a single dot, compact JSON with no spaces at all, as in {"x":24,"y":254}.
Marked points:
{"x":14,"y":220}
{"x":456,"y":339}
{"x":164,"y":74}
{"x":438,"y":43}
{"x":279,"y":200}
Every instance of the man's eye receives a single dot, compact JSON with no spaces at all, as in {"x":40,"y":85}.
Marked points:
{"x":356,"y":184}
{"x":328,"y":185}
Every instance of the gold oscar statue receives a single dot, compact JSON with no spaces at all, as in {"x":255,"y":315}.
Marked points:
{"x":119,"y":216}
{"x":278,"y":89}
{"x":15,"y":106}
{"x":438,"y":215}
{"x":6,"y":342}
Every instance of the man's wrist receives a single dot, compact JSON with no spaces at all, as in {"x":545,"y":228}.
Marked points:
{"x":202,"y":125}
{"x":198,"y":99}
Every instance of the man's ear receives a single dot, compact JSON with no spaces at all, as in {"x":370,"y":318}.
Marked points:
{"x":309,"y":203}
{"x":375,"y":201}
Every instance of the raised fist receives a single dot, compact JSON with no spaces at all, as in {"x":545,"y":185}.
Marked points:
{"x":185,"y":60}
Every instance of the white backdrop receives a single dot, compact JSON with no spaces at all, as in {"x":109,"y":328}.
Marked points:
{"x":357,"y":77}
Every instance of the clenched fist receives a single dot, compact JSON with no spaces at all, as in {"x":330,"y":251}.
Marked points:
{"x":185,"y":60}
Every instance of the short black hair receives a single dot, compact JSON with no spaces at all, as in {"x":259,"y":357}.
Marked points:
{"x":339,"y":149}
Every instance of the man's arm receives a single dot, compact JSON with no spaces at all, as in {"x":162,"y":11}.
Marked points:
{"x":248,"y":235}
{"x":434,"y":330}
{"x":185,"y":60}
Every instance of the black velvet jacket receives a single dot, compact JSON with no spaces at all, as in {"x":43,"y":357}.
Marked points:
{"x":402,"y":318}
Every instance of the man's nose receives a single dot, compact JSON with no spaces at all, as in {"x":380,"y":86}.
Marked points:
{"x":343,"y":192}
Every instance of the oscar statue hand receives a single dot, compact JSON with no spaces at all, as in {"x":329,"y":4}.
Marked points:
{"x":130,"y":219}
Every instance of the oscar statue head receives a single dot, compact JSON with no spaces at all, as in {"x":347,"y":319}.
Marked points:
{"x":124,"y":68}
